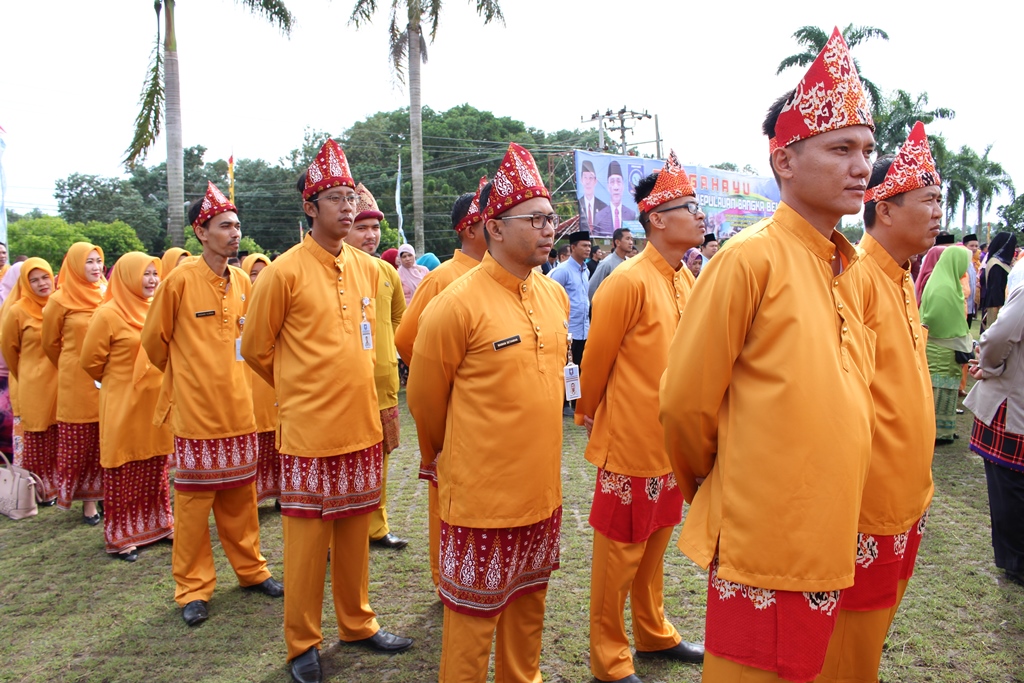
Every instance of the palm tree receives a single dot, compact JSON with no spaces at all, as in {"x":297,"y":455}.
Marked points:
{"x":408,"y":47}
{"x":161,"y":96}
{"x":959,"y":177}
{"x":896,"y":116}
{"x":989,"y":178}
{"x":813,"y":40}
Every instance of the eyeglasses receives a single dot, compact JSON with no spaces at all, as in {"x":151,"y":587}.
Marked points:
{"x":538,"y":220}
{"x":692,"y":207}
{"x":336,"y":199}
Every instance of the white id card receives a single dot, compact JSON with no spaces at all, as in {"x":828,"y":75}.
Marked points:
{"x":238,"y":349}
{"x":367,"y":334}
{"x":572,"y":382}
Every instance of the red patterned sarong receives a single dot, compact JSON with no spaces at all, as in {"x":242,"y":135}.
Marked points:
{"x":484,"y":570}
{"x":629,"y":509}
{"x":882,"y":562}
{"x":17,"y":441}
{"x":214,"y":464}
{"x":389,"y":423}
{"x":39,"y":456}
{"x":429,"y":473}
{"x":268,"y":467}
{"x":78,"y":463}
{"x":333,"y":487}
{"x":781,"y":631}
{"x":136,"y":504}
{"x":997,"y":445}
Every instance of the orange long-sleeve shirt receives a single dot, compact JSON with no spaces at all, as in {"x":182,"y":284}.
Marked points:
{"x":391,"y":304}
{"x":303,"y":336}
{"x":636,"y":312}
{"x":766,"y":395}
{"x":108,"y":355}
{"x":433,"y":284}
{"x":190,"y":334}
{"x":78,"y":399}
{"x":486,"y":393}
{"x":22,"y":345}
{"x":264,"y":402}
{"x":899,"y":485}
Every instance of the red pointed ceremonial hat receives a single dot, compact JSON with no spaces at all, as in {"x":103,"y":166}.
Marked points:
{"x":672,"y":183}
{"x":213,"y":203}
{"x":329,"y":169}
{"x":473,"y":213}
{"x":367,"y":206}
{"x":517,"y":180}
{"x":912,"y":168}
{"x":830,"y":96}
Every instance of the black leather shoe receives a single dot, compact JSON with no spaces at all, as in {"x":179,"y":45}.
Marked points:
{"x":631,"y":678}
{"x":382,"y":641}
{"x":270,"y":587}
{"x":389,"y":540}
{"x":92,"y":521}
{"x":194,"y":613}
{"x":47,"y":503}
{"x":306,"y":667}
{"x":683,"y":652}
{"x":129,"y":556}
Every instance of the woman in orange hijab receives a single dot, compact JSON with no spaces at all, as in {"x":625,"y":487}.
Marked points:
{"x":81,"y":286}
{"x":22,"y":346}
{"x":268,"y":463}
{"x":133,"y":452}
{"x":171,"y":258}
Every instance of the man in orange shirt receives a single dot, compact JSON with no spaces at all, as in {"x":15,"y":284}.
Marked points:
{"x":191,"y":334}
{"x":498,"y":332}
{"x":902,"y":214}
{"x":310,"y":334}
{"x":636,"y":500}
{"x":467,"y":225}
{"x":766,"y":401}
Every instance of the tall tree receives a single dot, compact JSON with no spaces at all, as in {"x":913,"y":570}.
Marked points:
{"x":959,"y":176}
{"x":408,"y":48}
{"x":812,"y":39}
{"x":897,"y":115}
{"x":161,"y":97}
{"x":989,"y":179}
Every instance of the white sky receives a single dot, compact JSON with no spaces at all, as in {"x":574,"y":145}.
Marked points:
{"x":71,"y":73}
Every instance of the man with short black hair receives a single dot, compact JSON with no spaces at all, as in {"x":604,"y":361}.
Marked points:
{"x":613,"y":216}
{"x":590,"y":205}
{"x":563,"y":254}
{"x":596,"y":254}
{"x":552,"y":261}
{"x":622,"y":246}
{"x":574,"y":276}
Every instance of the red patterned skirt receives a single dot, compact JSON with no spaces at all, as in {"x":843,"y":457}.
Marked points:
{"x":17,"y":440}
{"x":781,"y":631}
{"x":997,"y":445}
{"x":78,"y":463}
{"x":268,"y":467}
{"x":214,"y":464}
{"x":484,"y":570}
{"x":39,"y":456}
{"x":136,"y":504}
{"x":629,"y":509}
{"x":389,"y":423}
{"x":429,"y":473}
{"x":333,"y":487}
{"x":882,"y":562}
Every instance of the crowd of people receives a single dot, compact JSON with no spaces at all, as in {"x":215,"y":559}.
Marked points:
{"x":788,"y":387}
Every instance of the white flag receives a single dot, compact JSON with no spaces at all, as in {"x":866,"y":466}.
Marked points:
{"x":398,"y":196}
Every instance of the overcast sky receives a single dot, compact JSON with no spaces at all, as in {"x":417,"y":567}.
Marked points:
{"x":71,"y":73}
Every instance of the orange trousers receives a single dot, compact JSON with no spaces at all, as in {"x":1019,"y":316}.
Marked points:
{"x":306,"y":542}
{"x":635,"y":570}
{"x":718,"y":670}
{"x":855,"y":649}
{"x":379,"y":518}
{"x":434,"y":533}
{"x":238,"y":527}
{"x":466,"y":643}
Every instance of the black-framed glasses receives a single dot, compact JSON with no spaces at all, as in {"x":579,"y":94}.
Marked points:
{"x":692,"y":207}
{"x":351,"y":199}
{"x":538,"y":220}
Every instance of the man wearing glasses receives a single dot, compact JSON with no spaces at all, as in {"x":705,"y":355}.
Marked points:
{"x":637,"y":502}
{"x":488,"y":379}
{"x":310,"y":333}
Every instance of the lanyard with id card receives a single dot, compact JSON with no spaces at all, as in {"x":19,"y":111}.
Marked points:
{"x":365,"y":331}
{"x":572,"y":373}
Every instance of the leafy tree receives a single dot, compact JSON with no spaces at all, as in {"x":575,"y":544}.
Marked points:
{"x":161,"y":95}
{"x":90,"y":198}
{"x":989,"y":179}
{"x":409,"y":48}
{"x":896,"y":116}
{"x":1013,"y":214}
{"x":116,"y":239}
{"x":48,"y":237}
{"x":960,"y":178}
{"x":812,"y":39}
{"x":389,"y":238}
{"x":726,"y":166}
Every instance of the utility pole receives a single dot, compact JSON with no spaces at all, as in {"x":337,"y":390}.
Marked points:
{"x":622,"y":116}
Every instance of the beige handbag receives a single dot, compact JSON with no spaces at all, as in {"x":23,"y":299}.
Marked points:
{"x":18,"y":489}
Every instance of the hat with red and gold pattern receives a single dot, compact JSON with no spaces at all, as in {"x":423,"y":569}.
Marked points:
{"x":473,"y":212}
{"x":830,"y":96}
{"x":214,"y":202}
{"x":672,"y":183}
{"x":329,"y":169}
{"x":912,"y":168}
{"x":517,"y":180}
{"x":367,"y":206}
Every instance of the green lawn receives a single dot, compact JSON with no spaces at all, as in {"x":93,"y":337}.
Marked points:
{"x":68,"y":613}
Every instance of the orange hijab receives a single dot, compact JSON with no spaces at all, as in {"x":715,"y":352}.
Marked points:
{"x":169,"y":260}
{"x":249,"y":261}
{"x":125,"y":292}
{"x":31,"y":302}
{"x":74,"y":292}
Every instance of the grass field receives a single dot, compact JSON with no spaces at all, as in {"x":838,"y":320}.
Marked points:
{"x":68,"y":613}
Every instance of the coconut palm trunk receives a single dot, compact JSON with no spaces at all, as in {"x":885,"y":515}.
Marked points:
{"x":416,"y":126}
{"x":175,"y":153}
